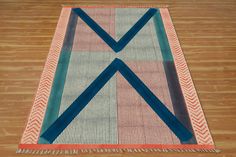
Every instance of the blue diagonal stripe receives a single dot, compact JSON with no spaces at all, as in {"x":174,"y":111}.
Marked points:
{"x":116,"y":46}
{"x":117,"y":65}
{"x":76,"y":107}
{"x":158,"y":107}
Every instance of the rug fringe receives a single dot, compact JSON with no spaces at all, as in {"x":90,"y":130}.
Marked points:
{"x":128,"y":150}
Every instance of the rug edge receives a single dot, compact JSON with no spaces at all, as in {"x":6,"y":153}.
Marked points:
{"x":116,"y":6}
{"x":35,"y":119}
{"x":194,"y":108}
{"x":110,"y":148}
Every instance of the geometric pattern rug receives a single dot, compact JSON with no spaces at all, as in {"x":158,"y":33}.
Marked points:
{"x":115,"y":80}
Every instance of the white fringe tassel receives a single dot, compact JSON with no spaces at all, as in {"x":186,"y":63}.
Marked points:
{"x":78,"y":151}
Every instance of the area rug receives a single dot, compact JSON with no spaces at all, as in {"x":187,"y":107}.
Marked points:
{"x":115,"y":80}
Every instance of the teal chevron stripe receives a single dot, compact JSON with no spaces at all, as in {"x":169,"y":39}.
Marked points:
{"x":162,"y":38}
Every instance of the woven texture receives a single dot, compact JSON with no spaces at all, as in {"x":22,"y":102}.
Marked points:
{"x":117,"y":116}
{"x":98,"y":122}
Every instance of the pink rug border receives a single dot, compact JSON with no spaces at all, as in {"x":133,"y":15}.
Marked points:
{"x":116,"y":6}
{"x":115,"y":146}
{"x":197,"y":118}
{"x":35,"y":119}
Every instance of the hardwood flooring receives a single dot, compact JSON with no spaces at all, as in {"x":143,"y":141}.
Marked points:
{"x":207,"y":33}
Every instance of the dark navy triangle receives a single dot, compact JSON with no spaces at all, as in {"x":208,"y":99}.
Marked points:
{"x":116,"y":46}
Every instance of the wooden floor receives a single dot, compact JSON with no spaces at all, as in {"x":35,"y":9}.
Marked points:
{"x":207,"y":33}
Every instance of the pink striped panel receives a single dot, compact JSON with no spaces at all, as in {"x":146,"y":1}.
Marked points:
{"x":137,"y":122}
{"x":35,"y":120}
{"x":195,"y":111}
{"x":86,"y":39}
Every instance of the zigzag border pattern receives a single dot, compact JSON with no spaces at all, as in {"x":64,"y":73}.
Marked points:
{"x":194,"y":108}
{"x":33,"y":126}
